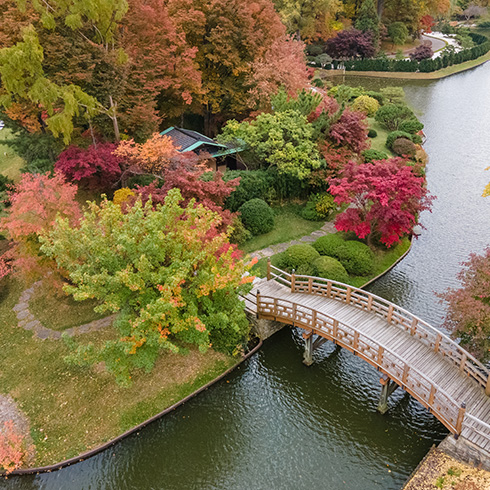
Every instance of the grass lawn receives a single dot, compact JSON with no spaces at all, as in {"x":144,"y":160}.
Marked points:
{"x":384,"y":259}
{"x":72,"y":409}
{"x":10,"y":162}
{"x":379,"y":143}
{"x":58,"y":311}
{"x":289,"y":225}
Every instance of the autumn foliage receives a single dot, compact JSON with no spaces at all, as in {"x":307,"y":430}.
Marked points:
{"x":170,"y":281}
{"x":36,"y":201}
{"x":468,"y":313}
{"x":385,"y":198}
{"x":96,"y":167}
{"x":350,"y":130}
{"x":13,"y":451}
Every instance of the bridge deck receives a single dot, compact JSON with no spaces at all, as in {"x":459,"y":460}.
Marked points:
{"x":432,"y":364}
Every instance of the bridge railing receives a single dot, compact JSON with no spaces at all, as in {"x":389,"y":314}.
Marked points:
{"x":390,"y":312}
{"x":429,"y":394}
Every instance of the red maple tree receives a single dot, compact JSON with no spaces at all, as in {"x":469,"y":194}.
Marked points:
{"x":350,"y":130}
{"x":385,"y":198}
{"x":97,"y":167}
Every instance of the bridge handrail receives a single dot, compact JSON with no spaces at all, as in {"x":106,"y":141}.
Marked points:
{"x":431,"y":395}
{"x":390,"y":312}
{"x":480,"y":425}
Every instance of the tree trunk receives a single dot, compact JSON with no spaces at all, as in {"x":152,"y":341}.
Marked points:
{"x":380,"y":7}
{"x":113,"y":116}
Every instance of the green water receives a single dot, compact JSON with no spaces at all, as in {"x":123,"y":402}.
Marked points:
{"x":276,"y":424}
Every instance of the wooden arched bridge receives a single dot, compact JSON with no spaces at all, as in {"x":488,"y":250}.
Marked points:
{"x":408,"y":352}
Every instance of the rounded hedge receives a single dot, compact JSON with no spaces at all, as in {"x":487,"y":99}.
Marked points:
{"x":298,"y":256}
{"x":330,"y":268}
{"x":328,"y":244}
{"x":366,"y":105}
{"x":394,"y":135}
{"x":372,"y":133}
{"x":371,"y":155}
{"x":257,"y":216}
{"x":411,"y":126}
{"x":403,"y":146}
{"x":356,"y":257}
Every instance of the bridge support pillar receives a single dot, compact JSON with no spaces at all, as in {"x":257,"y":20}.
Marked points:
{"x":308,"y":355}
{"x":388,"y":387}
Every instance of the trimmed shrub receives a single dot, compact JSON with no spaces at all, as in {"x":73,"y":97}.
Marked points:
{"x":422,"y":52}
{"x":394,"y":135}
{"x":240,"y":234}
{"x":257,"y":216}
{"x":328,"y":244}
{"x":253,"y":184}
{"x":403,"y":146}
{"x":324,"y":205}
{"x":330,"y":268}
{"x":372,"y":133}
{"x":371,"y":155}
{"x":365,"y":104}
{"x":314,"y":50}
{"x":417,"y":139}
{"x":298,"y":255}
{"x":356,"y":257}
{"x":377,"y":95}
{"x":391,"y":116}
{"x":411,"y":126}
{"x":306,"y":270}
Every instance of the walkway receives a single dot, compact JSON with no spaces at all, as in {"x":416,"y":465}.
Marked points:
{"x":442,"y":376}
{"x":326,"y":229}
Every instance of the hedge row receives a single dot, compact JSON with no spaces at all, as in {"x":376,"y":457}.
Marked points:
{"x":425,"y":66}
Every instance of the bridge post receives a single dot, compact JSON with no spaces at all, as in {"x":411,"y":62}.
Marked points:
{"x":257,"y":296}
{"x":487,"y":388}
{"x":459,"y":421}
{"x":388,"y":387}
{"x":308,"y":355}
{"x":293,"y":280}
{"x":268,"y":268}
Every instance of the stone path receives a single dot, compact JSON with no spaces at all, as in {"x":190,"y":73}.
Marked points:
{"x":326,"y":229}
{"x":29,"y":322}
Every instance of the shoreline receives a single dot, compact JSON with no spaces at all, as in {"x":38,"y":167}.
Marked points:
{"x":397,"y":75}
{"x":88,"y":454}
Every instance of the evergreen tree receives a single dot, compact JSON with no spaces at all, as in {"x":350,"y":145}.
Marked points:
{"x":368,"y":20}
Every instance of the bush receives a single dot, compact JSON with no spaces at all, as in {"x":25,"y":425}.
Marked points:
{"x":370,"y":155}
{"x":240,"y":234}
{"x":314,"y":50}
{"x":324,"y":205}
{"x":309,"y":211}
{"x":306,"y":270}
{"x":372,"y":133}
{"x":391,"y":116}
{"x":328,"y":244}
{"x":257,"y":216}
{"x":318,"y":207}
{"x":365,"y":104}
{"x":318,"y":82}
{"x":376,"y":95}
{"x":330,"y":268}
{"x":422,"y":52}
{"x":253,"y":184}
{"x":356,"y":257}
{"x":417,"y":139}
{"x":411,"y":126}
{"x":394,"y":135}
{"x":298,"y":255}
{"x":403,"y":146}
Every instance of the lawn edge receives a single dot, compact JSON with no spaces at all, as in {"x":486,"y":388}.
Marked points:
{"x":397,"y":261}
{"x":106,"y":445}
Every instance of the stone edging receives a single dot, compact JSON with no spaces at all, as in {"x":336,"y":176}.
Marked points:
{"x":102,"y":447}
{"x":29,"y":322}
{"x":417,"y":468}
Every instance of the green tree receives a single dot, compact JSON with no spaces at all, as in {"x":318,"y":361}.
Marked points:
{"x":170,"y":277}
{"x":398,"y":33}
{"x":284,"y":140}
{"x":391,"y":116}
{"x":368,"y":20}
